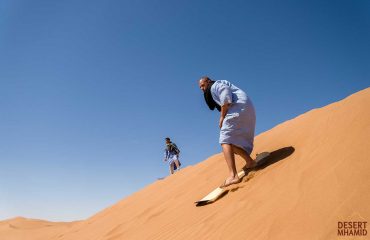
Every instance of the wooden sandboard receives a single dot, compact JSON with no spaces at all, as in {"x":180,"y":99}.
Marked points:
{"x":219,"y":192}
{"x":216,"y":194}
{"x":211,"y":197}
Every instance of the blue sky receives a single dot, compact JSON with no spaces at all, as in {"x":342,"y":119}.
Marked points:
{"x":89,"y":89}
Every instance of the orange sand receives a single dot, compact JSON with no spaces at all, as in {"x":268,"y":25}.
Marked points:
{"x":24,"y":229}
{"x":318,"y":174}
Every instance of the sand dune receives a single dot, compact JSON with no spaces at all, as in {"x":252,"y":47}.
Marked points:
{"x":23,"y":228}
{"x":318,"y":174}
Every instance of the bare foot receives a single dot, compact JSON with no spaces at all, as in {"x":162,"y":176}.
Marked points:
{"x":231,"y":180}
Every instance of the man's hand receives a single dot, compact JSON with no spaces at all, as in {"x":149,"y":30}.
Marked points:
{"x":224,"y":109}
{"x":221,"y":121}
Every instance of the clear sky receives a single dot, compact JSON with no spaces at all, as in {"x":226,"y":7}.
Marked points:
{"x":90,"y":89}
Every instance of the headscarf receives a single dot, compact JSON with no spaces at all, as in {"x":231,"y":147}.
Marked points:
{"x":209,"y":100}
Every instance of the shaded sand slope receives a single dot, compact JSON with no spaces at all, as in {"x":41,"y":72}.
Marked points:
{"x":318,"y":174}
{"x":31,"y":229}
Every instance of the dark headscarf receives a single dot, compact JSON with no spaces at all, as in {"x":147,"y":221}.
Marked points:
{"x":209,"y":100}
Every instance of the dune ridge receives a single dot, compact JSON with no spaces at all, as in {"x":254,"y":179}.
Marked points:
{"x":317,"y":176}
{"x":23,"y":228}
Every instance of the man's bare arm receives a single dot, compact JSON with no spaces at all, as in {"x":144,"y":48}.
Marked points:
{"x":224,"y":109}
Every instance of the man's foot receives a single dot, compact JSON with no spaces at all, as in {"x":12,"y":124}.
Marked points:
{"x":250,"y":165}
{"x":230,"y":181}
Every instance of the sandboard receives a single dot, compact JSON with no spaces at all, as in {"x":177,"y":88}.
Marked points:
{"x":219,"y":192}
{"x":261,"y":158}
{"x":216,"y":194}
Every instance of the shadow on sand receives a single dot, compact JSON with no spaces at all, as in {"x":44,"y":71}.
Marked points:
{"x":267,"y":159}
{"x":275,"y":157}
{"x":271,"y":158}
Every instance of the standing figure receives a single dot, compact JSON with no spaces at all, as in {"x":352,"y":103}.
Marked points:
{"x":237,"y":122}
{"x":171,"y":155}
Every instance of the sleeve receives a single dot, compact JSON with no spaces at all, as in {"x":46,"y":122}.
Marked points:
{"x":166,"y":153}
{"x":224,"y":93}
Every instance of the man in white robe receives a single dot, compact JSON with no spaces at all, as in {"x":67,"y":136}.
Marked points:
{"x":237,"y":122}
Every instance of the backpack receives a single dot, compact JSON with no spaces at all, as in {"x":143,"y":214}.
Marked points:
{"x":174,"y":149}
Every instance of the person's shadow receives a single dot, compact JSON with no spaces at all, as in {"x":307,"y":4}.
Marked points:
{"x":275,"y":157}
{"x":267,"y":159}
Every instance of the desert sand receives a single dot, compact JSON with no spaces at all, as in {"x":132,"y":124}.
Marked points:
{"x":318,"y":175}
{"x":22,"y":228}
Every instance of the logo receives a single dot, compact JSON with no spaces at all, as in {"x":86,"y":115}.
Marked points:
{"x":352,"y":229}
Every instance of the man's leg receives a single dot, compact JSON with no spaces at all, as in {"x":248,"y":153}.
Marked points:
{"x":230,"y":159}
{"x":171,"y":168}
{"x":177,"y":164}
{"x":250,"y":162}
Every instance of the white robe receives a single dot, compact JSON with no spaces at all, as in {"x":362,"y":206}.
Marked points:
{"x":239,"y":124}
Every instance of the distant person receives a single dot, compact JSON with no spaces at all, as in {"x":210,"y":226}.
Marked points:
{"x":171,"y":155}
{"x":237,"y":122}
